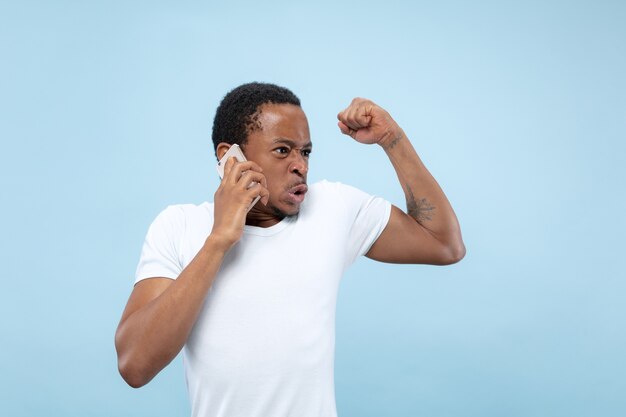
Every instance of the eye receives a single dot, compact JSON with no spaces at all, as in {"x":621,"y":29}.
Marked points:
{"x":306,"y":152}
{"x":282,"y":151}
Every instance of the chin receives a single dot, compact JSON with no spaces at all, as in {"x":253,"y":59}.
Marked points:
{"x":284,"y":212}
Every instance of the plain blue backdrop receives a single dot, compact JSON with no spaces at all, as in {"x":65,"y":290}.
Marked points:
{"x":517,"y":108}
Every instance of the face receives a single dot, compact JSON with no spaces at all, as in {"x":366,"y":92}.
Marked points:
{"x":281,"y":147}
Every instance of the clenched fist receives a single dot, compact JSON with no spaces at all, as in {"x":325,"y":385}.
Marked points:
{"x":368,"y":123}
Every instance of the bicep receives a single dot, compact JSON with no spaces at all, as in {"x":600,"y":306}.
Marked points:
{"x":405,"y":241}
{"x":143,"y":293}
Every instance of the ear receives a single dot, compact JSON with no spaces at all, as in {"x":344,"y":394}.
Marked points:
{"x":222,"y":148}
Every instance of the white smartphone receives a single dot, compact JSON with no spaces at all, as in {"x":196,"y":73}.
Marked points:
{"x":235,"y":151}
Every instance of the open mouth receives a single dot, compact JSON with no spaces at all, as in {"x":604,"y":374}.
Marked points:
{"x":296,"y":194}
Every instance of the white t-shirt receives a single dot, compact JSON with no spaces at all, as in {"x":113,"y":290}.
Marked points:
{"x":264,"y":342}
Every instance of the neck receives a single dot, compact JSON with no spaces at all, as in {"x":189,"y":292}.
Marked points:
{"x":262,"y":218}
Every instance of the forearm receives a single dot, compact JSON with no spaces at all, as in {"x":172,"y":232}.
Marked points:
{"x":425,"y":200}
{"x":150,"y":337}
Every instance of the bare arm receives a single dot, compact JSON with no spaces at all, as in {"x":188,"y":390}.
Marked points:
{"x":161,"y":312}
{"x":429,"y":231}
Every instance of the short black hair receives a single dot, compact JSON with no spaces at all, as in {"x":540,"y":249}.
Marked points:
{"x":238,"y":113}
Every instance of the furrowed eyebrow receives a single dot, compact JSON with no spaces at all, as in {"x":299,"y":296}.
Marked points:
{"x":291,"y":143}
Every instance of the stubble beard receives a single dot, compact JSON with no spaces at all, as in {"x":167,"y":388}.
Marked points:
{"x":280,"y":213}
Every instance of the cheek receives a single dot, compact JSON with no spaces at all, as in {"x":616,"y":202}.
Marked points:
{"x":273,"y":181}
{"x":273,"y":174}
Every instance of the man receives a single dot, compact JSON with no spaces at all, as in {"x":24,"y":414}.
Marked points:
{"x":250,"y":295}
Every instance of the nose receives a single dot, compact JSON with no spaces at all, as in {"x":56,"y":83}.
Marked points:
{"x":299,"y":165}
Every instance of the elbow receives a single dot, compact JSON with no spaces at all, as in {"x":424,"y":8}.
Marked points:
{"x":132,"y":375}
{"x":458,"y":254}
{"x":453,"y":253}
{"x":129,"y":366}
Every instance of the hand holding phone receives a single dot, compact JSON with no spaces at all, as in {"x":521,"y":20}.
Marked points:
{"x":235,"y":151}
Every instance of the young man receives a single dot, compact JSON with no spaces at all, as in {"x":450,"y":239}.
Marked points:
{"x":249,"y":296}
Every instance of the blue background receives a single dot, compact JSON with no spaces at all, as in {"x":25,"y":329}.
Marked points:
{"x":517,"y":108}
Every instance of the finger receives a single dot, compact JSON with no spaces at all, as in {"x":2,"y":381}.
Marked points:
{"x":265,"y":199}
{"x":252,"y":165}
{"x":345,"y":129}
{"x":258,"y":190}
{"x":228,"y":166}
{"x":239,"y":168}
{"x":264,"y":181}
{"x":248,"y":165}
{"x":346,"y":117}
{"x":362,"y":117}
{"x":359,"y":117}
{"x":249,"y":177}
{"x":351,"y":124}
{"x":350,"y":118}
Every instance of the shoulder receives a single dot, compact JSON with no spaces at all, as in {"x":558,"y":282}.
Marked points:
{"x":178,"y":215}
{"x":321,"y":194}
{"x":333,"y":188}
{"x":337,"y":191}
{"x":339,"y":198}
{"x":175,"y":210}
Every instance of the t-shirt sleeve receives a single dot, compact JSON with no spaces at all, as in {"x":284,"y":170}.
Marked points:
{"x":369,"y":216}
{"x":160,"y":255}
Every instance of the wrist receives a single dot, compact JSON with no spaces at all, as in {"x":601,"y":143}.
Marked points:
{"x":391,"y":138}
{"x":216,"y":243}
